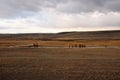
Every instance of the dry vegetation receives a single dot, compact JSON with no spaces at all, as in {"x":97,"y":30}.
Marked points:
{"x":9,"y":43}
{"x":109,"y":38}
{"x":18,"y":61}
{"x":59,"y":64}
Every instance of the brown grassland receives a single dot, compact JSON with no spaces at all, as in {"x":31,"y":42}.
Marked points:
{"x":25,"y":43}
{"x":54,"y":60}
{"x":59,"y":64}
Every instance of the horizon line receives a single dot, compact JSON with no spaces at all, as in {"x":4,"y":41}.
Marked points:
{"x":58,"y":32}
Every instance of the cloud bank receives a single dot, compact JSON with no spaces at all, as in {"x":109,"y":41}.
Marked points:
{"x":26,"y":16}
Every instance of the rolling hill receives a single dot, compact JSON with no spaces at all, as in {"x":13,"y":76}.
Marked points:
{"x":65,"y":35}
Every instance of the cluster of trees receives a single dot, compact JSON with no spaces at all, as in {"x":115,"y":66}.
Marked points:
{"x":77,"y":45}
{"x":35,"y":45}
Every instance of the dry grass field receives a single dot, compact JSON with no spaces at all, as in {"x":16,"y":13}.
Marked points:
{"x":99,"y":38}
{"x":59,"y":64}
{"x":54,"y":60}
{"x":25,"y":43}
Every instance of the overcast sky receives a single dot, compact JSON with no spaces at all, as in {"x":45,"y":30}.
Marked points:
{"x":46,"y":16}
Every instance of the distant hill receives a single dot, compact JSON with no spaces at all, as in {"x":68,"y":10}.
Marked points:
{"x":90,"y":35}
{"x":65,"y":35}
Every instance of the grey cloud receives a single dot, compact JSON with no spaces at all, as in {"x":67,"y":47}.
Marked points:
{"x":10,"y":8}
{"x":78,"y":6}
{"x":3,"y":27}
{"x":7,"y":28}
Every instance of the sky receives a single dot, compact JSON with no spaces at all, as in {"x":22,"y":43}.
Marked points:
{"x":52,"y":16}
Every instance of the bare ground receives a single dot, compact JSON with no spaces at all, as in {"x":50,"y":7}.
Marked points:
{"x":59,"y":64}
